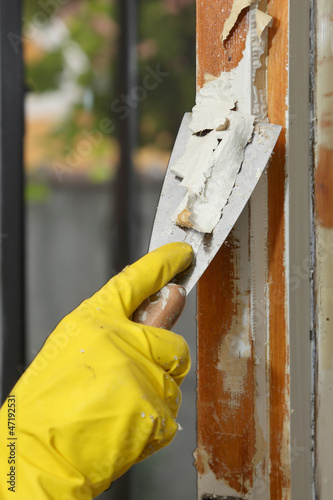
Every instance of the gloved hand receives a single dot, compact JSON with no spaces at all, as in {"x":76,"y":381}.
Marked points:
{"x":102,"y":394}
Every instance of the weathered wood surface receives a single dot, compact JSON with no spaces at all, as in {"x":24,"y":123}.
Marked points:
{"x":278,"y":364}
{"x":324,"y":246}
{"x":234,"y":444}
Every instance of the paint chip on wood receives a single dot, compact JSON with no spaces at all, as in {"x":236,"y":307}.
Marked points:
{"x":211,"y":161}
{"x":236,"y":9}
{"x":263,"y":20}
{"x":222,"y":126}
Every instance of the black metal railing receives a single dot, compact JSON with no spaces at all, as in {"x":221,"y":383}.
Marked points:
{"x":12,"y":282}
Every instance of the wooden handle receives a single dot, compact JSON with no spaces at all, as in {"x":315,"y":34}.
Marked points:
{"x":163,"y":308}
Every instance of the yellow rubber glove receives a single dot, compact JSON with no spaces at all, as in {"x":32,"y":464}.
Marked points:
{"x":101,"y":395}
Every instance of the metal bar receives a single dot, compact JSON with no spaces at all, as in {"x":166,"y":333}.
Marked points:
{"x":126,"y":192}
{"x":11,"y":196}
{"x":126,"y":209}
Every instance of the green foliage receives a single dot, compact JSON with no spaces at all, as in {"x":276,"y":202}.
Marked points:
{"x":33,"y":7}
{"x":99,"y":174}
{"x":37,"y":192}
{"x":174,"y":36}
{"x":44,"y":76}
{"x":93,"y":26}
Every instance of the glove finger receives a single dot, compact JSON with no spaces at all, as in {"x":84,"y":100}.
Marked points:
{"x":135,"y":283}
{"x":171,"y":352}
{"x":166,"y":349}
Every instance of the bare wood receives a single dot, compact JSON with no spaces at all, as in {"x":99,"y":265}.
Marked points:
{"x":277,"y":89}
{"x":225,"y":427}
{"x":225,"y":422}
{"x":227,"y":440}
{"x":212,"y":58}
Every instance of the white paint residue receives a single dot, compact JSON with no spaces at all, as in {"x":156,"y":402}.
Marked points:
{"x":263,"y":20}
{"x":211,"y":162}
{"x":182,"y":292}
{"x":219,"y":487}
{"x":237,"y":7}
{"x":197,"y":162}
{"x":209,"y":186}
{"x":210,"y":115}
{"x":143,"y":316}
{"x":217,"y":89}
{"x":259,"y":21}
{"x":165,"y":292}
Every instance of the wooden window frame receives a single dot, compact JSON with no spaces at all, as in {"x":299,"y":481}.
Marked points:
{"x":257,"y":443}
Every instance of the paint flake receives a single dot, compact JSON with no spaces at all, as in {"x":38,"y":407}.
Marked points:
{"x":182,"y":219}
{"x":213,"y":115}
{"x":197,"y":162}
{"x":236,"y":9}
{"x":263,"y":20}
{"x":210,"y":170}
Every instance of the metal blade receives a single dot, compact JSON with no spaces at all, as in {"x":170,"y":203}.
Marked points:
{"x":205,"y":246}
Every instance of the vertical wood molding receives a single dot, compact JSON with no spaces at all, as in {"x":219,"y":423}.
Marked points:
{"x":212,"y":58}
{"x":277,"y":91}
{"x":226,"y":385}
{"x":323,"y":222}
{"x":244,"y":434}
{"x":224,"y":423}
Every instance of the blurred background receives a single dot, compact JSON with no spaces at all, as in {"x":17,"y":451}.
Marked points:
{"x":107,"y":83}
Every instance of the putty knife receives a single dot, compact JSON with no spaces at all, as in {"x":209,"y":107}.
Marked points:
{"x":165,"y":307}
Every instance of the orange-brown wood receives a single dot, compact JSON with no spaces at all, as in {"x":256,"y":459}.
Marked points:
{"x":277,"y":89}
{"x":324,"y":186}
{"x":225,"y":423}
{"x":212,"y":57}
{"x":226,"y":438}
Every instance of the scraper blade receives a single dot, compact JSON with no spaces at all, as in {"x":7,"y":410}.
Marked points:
{"x":205,"y":246}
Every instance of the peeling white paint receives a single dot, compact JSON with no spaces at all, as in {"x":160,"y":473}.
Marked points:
{"x":239,"y":86}
{"x":263,"y":20}
{"x":210,"y":114}
{"x":209,"y":185}
{"x":236,"y":9}
{"x":224,"y":112}
{"x":195,"y":166}
{"x":259,"y":330}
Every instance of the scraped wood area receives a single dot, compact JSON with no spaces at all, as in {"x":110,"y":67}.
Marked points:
{"x":243,"y":384}
{"x":277,"y":90}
